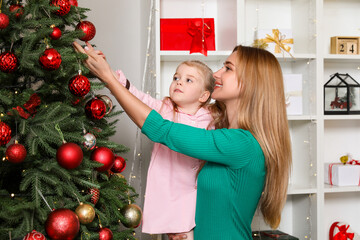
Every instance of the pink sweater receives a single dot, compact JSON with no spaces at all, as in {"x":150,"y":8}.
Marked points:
{"x":170,"y":195}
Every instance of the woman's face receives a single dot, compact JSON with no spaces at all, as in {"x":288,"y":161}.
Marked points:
{"x":227,"y":87}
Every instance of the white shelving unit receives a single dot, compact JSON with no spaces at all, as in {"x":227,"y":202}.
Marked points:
{"x":312,"y":206}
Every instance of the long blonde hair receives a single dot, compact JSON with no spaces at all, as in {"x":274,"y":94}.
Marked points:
{"x":262,"y":111}
{"x":208,"y":80}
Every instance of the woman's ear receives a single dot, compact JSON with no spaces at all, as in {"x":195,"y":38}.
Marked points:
{"x":204,"y":97}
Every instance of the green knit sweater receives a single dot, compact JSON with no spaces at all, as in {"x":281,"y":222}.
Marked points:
{"x":231,"y":182}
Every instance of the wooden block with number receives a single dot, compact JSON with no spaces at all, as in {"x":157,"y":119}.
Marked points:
{"x":345,"y":45}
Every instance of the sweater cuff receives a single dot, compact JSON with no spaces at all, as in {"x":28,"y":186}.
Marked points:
{"x":121,"y":77}
{"x":151,"y":125}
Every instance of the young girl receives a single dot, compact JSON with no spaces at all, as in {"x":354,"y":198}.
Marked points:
{"x":171,"y":180}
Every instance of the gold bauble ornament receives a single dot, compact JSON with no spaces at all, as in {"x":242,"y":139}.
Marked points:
{"x":85,"y":212}
{"x":132,"y":214}
{"x":344,"y":159}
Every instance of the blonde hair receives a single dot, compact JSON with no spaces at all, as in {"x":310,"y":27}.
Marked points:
{"x":208,"y":80}
{"x":262,"y":111}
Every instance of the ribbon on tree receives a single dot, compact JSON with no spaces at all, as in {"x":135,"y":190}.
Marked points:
{"x":199,"y":30}
{"x":279,"y":40}
{"x":341,"y":232}
{"x":30,"y":106}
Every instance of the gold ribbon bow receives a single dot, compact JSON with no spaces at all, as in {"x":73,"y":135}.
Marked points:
{"x":279,"y":40}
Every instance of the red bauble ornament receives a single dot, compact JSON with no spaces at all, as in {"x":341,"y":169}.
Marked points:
{"x":105,"y":156}
{"x":50,"y":60}
{"x":64,"y":7}
{"x":79,"y":85}
{"x":119,"y":165}
{"x":8,"y":62}
{"x":69,"y":155}
{"x":5,"y":133}
{"x":17,"y":9}
{"x":34,"y":235}
{"x":62,"y":224}
{"x":88,"y":28}
{"x":4,"y":20}
{"x":95,"y":195}
{"x":95,"y":109}
{"x":16,"y":153}
{"x":56,"y":33}
{"x":105,"y":234}
{"x":73,"y":2}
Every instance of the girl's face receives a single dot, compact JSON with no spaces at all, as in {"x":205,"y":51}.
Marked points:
{"x":187,"y":88}
{"x":227,"y":88}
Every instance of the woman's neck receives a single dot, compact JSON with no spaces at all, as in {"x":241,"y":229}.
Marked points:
{"x":231,"y":110}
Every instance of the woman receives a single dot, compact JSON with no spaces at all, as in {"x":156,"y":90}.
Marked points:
{"x":248,"y":155}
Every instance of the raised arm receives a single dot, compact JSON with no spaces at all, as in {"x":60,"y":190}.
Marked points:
{"x":232,"y":147}
{"x":135,"y":109}
{"x":144,"y":97}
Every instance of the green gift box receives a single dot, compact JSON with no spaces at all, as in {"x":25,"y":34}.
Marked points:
{"x":271,"y":235}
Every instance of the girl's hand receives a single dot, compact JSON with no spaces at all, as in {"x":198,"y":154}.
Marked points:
{"x":176,"y":236}
{"x":96,"y":62}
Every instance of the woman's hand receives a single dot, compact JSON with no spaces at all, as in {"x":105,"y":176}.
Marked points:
{"x":98,"y":65}
{"x":176,"y":236}
{"x":96,"y":62}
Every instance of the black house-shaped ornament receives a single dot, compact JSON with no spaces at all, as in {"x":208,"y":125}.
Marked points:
{"x":341,"y":95}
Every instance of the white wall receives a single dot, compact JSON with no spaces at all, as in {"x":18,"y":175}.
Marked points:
{"x":121,"y":34}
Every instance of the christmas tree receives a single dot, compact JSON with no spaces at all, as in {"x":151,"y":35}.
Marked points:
{"x":60,"y":172}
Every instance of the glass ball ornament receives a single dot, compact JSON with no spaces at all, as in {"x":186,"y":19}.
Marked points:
{"x":62,"y":224}
{"x":4,"y":21}
{"x":119,"y":165}
{"x":56,"y":33}
{"x":64,"y":6}
{"x":85,"y":212}
{"x":69,"y":155}
{"x":34,"y":235}
{"x":8,"y":62}
{"x":88,"y":29}
{"x":105,"y":234}
{"x":50,"y":59}
{"x":5,"y":133}
{"x":132,"y":214}
{"x":90,"y":141}
{"x":16,"y":153}
{"x":105,"y":156}
{"x":79,"y":85}
{"x":107,"y":100}
{"x":95,"y":109}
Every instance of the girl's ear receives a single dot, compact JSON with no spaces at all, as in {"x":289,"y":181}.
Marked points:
{"x":204,"y":97}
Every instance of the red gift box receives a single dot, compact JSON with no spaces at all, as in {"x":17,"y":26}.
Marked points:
{"x":181,"y":34}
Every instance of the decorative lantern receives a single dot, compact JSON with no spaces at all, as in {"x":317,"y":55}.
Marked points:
{"x":341,"y":95}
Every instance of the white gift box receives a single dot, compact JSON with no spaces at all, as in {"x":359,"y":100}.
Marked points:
{"x":285,"y":35}
{"x":342,"y":175}
{"x":293,"y":94}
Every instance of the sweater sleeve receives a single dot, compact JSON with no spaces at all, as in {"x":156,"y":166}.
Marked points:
{"x":145,"y":98}
{"x":231,"y":147}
